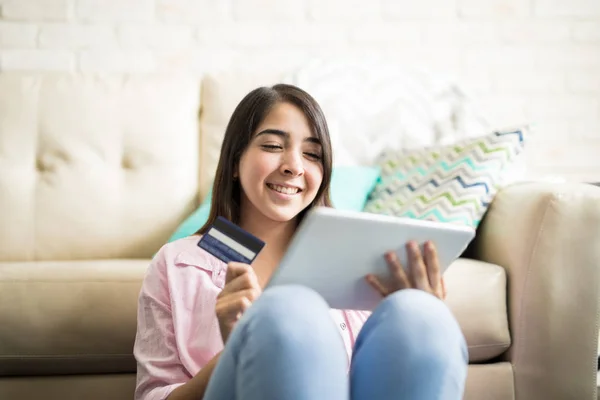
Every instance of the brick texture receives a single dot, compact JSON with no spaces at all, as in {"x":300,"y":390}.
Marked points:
{"x":156,"y":36}
{"x":587,"y":32}
{"x":269,"y":10}
{"x":115,"y":10}
{"x":36,"y":10}
{"x":493,"y":9}
{"x":535,"y":61}
{"x":571,"y":8}
{"x":424,"y":9}
{"x":18,"y":35}
{"x":76,"y":36}
{"x":344,"y":11}
{"x":193,"y":11}
{"x":117,"y":61}
{"x":36,"y":60}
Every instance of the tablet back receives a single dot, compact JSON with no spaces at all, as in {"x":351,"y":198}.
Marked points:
{"x":332,"y":251}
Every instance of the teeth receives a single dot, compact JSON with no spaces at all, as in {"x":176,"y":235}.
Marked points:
{"x":283,"y":189}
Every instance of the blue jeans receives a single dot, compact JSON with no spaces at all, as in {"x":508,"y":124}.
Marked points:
{"x":287,"y":347}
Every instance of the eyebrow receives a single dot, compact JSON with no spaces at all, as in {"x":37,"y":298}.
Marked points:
{"x":286,"y":135}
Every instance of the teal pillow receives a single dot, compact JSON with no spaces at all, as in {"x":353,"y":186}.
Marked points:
{"x":194,"y":221}
{"x":350,"y":188}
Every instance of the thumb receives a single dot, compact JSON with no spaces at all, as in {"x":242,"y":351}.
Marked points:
{"x":235,"y":269}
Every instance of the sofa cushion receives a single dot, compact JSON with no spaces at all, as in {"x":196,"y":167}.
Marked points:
{"x":477,"y":297}
{"x":68,"y":317}
{"x":80,"y":317}
{"x":490,"y":381}
{"x":95,"y":166}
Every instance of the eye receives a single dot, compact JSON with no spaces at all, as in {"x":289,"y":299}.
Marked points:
{"x":314,"y":156}
{"x":271,"y":147}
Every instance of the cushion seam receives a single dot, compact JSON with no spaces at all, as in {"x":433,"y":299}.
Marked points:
{"x":532,"y":255}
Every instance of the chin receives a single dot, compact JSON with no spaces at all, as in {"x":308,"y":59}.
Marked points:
{"x":282,"y":215}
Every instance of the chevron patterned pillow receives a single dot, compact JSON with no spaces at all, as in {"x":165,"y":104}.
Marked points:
{"x":453,"y":183}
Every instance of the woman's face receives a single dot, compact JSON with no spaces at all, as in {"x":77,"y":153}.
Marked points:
{"x":281,"y":170}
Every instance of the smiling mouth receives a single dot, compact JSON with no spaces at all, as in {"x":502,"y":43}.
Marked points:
{"x":283,"y":189}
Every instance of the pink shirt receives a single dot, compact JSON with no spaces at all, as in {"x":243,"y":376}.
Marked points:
{"x":177,"y":329}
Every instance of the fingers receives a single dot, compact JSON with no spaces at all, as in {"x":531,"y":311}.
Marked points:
{"x":416,"y":266}
{"x":240,"y":276}
{"x":443,"y":287}
{"x":234,"y":305}
{"x":423,"y":272}
{"x":246,"y":281}
{"x":432,"y":266}
{"x":240,"y":291}
{"x":399,"y":277}
{"x":235,"y":269}
{"x":377,"y":285}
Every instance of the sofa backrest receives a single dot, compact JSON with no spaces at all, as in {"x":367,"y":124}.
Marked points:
{"x":95,"y":166}
{"x":107,"y":166}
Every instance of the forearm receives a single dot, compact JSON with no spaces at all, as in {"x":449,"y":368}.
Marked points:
{"x":194,"y":388}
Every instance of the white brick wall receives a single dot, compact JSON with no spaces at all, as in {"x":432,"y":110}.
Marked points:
{"x":525,"y":60}
{"x":36,"y":60}
{"x":17,"y":35}
{"x":117,"y":61}
{"x":110,"y":11}
{"x":37,"y":10}
{"x":75,"y":36}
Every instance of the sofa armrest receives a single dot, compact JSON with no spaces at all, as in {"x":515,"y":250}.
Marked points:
{"x":547,"y":237}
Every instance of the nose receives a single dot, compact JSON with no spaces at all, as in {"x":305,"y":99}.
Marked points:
{"x":292,"y":164}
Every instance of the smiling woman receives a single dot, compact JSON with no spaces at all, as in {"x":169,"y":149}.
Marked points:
{"x":206,"y":329}
{"x":281,"y":170}
{"x":283,"y":128}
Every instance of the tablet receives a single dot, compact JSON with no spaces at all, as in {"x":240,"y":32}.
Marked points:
{"x":332,"y":251}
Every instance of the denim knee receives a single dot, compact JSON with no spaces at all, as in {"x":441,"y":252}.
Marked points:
{"x":287,"y":309}
{"x":288,"y":347}
{"x":419,"y":317}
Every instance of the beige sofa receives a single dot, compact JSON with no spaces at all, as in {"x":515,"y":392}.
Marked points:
{"x":97,"y":172}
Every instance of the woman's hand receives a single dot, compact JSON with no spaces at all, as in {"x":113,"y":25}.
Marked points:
{"x":240,"y":291}
{"x":423,"y":272}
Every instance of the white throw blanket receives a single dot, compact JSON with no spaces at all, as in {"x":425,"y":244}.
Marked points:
{"x":372,"y":106}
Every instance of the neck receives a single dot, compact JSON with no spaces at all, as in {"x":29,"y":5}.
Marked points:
{"x":276,"y":235}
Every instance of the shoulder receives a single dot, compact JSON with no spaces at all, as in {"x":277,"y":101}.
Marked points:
{"x":183,"y":256}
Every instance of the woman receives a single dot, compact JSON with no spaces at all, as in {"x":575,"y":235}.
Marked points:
{"x":206,"y":330}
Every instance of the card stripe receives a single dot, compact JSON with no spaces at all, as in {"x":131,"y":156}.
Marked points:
{"x":239,"y":235}
{"x":223,"y":238}
{"x":226,"y":257}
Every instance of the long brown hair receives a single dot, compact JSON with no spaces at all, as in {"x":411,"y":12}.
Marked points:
{"x":247,"y":116}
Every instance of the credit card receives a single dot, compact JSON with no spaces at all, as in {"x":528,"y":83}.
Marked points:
{"x":228,"y":242}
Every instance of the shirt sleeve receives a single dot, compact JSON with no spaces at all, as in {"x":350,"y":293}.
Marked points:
{"x":159,"y":369}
